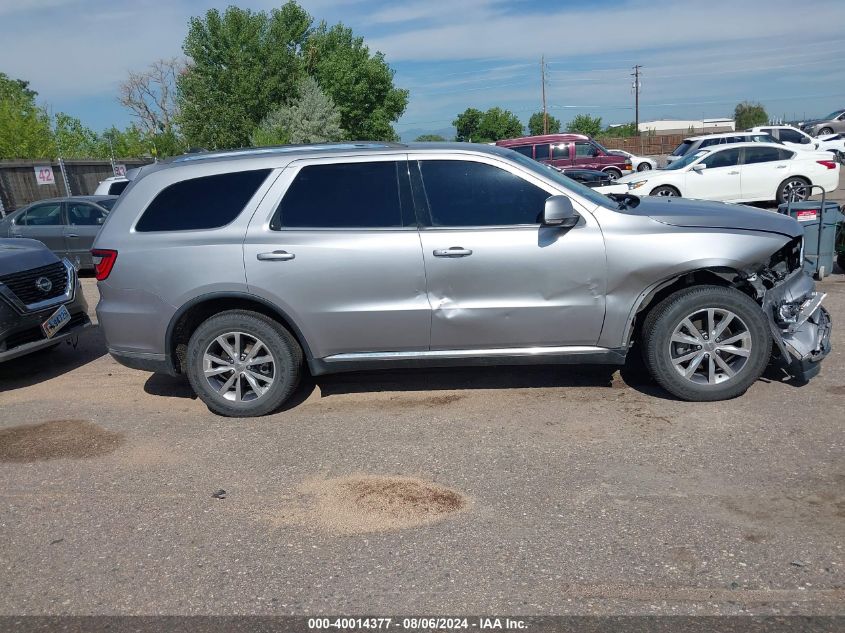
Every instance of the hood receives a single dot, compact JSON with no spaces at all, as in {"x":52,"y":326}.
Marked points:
{"x":714,"y":215}
{"x":17,"y":254}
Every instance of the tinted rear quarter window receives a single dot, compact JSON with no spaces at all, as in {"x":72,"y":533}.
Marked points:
{"x":208,"y":202}
{"x":525,"y":150}
{"x":541,"y":152}
{"x":344,"y":195}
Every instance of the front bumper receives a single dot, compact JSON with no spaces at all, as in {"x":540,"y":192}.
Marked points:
{"x":21,"y":334}
{"x":803,"y":342}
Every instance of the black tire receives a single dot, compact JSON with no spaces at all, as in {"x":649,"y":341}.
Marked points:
{"x":613,"y":173}
{"x":665,"y":191}
{"x":644,"y":166}
{"x":825,"y":130}
{"x":286,"y":363}
{"x":658,"y":347}
{"x":786,"y":186}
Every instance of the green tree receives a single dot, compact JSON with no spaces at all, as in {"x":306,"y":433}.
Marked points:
{"x":747,"y":115}
{"x":430,"y":138}
{"x":535,"y":124}
{"x":497,"y":124}
{"x":74,"y":140}
{"x":310,"y":118}
{"x":585,"y":124}
{"x":360,"y":83}
{"x":466,"y":125}
{"x":24,"y":126}
{"x":243,"y":65}
{"x":621,"y":131}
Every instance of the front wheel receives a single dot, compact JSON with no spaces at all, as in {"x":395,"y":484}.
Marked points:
{"x":643,"y":166}
{"x":613,"y":174}
{"x":665,"y":191}
{"x":243,"y":364}
{"x":825,"y":130}
{"x":706,"y":343}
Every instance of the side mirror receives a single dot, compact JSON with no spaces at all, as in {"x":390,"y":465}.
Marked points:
{"x":558,"y":212}
{"x":699,"y":167}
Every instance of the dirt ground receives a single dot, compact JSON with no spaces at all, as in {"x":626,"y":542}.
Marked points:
{"x":520,"y":490}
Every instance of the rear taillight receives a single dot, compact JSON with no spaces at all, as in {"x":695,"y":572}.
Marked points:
{"x":104,"y":260}
{"x":830,"y":164}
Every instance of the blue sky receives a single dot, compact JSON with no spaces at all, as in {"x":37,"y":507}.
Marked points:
{"x":700,"y":57}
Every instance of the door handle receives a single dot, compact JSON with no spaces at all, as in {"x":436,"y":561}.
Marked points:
{"x":454,"y":251}
{"x":732,"y":173}
{"x":275,"y":256}
{"x":71,"y":235}
{"x":781,"y":167}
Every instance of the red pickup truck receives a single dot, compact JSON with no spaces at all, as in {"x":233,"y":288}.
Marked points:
{"x":569,"y":150}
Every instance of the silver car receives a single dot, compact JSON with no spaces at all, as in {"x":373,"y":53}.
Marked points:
{"x":830,"y":124}
{"x":67,"y":226}
{"x":245,"y":269}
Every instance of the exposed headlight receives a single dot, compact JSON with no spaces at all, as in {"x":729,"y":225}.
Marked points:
{"x":637,"y":184}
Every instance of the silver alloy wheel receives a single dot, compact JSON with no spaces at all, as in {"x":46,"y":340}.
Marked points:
{"x":239,"y":367}
{"x":825,"y":130}
{"x":613,"y":175}
{"x":795,"y":190}
{"x":710,"y":346}
{"x":643,"y":166}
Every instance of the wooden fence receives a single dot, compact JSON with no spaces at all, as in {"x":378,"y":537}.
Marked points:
{"x":644,"y":145}
{"x":20,"y":183}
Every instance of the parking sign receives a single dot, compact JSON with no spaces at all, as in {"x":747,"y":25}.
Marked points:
{"x":44,"y":175}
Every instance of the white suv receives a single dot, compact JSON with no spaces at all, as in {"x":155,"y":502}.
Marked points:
{"x":695,"y":143}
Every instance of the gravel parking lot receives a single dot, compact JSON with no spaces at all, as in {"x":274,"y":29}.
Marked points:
{"x":515,"y":490}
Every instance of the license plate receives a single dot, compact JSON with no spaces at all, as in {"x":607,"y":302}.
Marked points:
{"x":56,"y":322}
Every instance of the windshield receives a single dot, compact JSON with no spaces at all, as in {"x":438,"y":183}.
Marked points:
{"x":682,"y":149}
{"x":564,"y":181}
{"x":686,"y":160}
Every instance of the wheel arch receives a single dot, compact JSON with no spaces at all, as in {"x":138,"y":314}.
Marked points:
{"x":724,"y":276}
{"x":187,"y":318}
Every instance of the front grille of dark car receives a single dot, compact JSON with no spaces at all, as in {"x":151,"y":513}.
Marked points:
{"x":23,"y":285}
{"x":36,"y":333}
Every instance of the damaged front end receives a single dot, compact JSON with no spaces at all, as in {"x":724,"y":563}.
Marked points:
{"x":800,"y":325}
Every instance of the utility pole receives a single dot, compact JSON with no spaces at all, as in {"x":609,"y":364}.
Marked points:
{"x":543,"y":80}
{"x":637,"y":86}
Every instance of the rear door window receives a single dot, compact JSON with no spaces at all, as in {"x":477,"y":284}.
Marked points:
{"x":560,"y":151}
{"x":346,"y":196}
{"x":761,"y":155}
{"x":541,"y":152}
{"x":80,"y":214}
{"x":207,"y":202}
{"x":466,"y":193}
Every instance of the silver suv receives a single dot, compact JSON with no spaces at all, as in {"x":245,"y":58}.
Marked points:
{"x":245,"y":269}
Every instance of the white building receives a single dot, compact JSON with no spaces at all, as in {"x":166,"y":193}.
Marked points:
{"x":678,"y":126}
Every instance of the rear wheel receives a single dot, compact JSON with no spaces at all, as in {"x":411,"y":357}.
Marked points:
{"x":795,"y":188}
{"x":665,"y":191}
{"x":706,"y":343}
{"x":613,"y":173}
{"x":243,"y":364}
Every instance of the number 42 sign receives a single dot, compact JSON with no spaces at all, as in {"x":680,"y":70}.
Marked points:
{"x":44,"y":175}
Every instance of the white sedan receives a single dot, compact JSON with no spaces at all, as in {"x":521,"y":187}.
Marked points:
{"x":740,"y":172}
{"x":638,"y":163}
